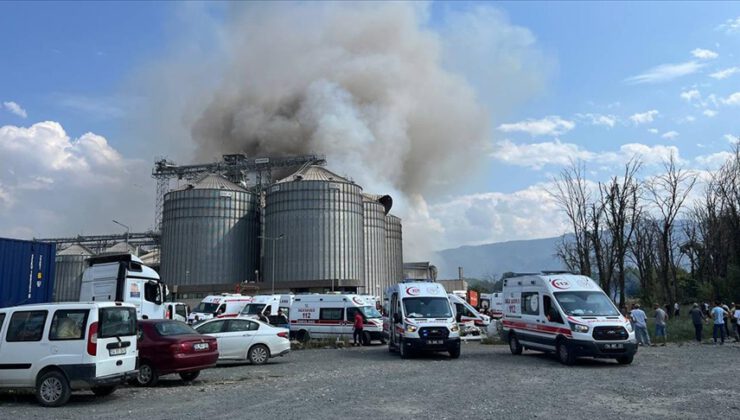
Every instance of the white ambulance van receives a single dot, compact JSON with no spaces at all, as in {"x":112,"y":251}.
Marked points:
{"x":58,"y":348}
{"x":267,"y":305}
{"x":333,"y":315}
{"x":218,"y":306}
{"x":465,"y":313}
{"x":566,"y":314}
{"x":421,"y":318}
{"x":124,"y":278}
{"x":493,"y":302}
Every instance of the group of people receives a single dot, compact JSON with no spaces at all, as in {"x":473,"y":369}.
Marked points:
{"x":725,"y":320}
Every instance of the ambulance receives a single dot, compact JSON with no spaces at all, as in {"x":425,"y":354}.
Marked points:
{"x":565,"y":314}
{"x":420,"y":318}
{"x":465,"y":313}
{"x":267,"y":305}
{"x":333,"y":316}
{"x":493,"y":302}
{"x":220,"y":306}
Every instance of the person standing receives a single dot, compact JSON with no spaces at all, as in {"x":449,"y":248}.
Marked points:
{"x":718,"y":315}
{"x":676,"y":310}
{"x":698,"y":318}
{"x":728,"y":316}
{"x":736,"y":317}
{"x":660,"y":318}
{"x":357,"y":333}
{"x":639,"y":319}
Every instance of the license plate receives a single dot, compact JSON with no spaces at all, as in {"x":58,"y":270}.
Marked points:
{"x":117,"y":352}
{"x":613,"y":346}
{"x":200,"y":346}
{"x":432,"y":342}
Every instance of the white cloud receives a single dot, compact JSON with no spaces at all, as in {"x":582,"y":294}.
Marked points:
{"x":714,"y":161}
{"x":653,"y":130}
{"x":710,"y":113}
{"x":67,"y":185}
{"x":703,"y":54}
{"x":730,"y":26}
{"x":690,"y":95}
{"x":644,"y":117}
{"x":599,"y":119}
{"x":549,"y":126}
{"x":14,"y":108}
{"x":665,"y":73}
{"x":733,"y":99}
{"x":555,"y":153}
{"x":687,"y":119}
{"x":724,"y":73}
{"x":733,"y":139}
{"x":670,"y":135}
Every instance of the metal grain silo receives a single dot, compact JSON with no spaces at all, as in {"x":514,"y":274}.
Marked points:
{"x":320,"y":217}
{"x":209,"y":234}
{"x":70,"y":263}
{"x":375,"y":207}
{"x":394,"y":248}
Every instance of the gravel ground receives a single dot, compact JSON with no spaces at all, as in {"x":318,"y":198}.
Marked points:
{"x":678,"y":381}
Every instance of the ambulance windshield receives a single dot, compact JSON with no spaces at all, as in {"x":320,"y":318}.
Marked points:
{"x":253,"y":309}
{"x":370,"y":312}
{"x":586,"y":304}
{"x":427,"y":307}
{"x":206,"y":308}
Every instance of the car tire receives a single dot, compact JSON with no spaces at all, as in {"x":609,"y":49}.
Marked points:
{"x":52,"y":389}
{"x":366,"y":338}
{"x":103,"y":391}
{"x":514,"y":345}
{"x":455,"y":353}
{"x":189,"y":376}
{"x":625,"y":360}
{"x":403,"y":351}
{"x":303,"y":336}
{"x":565,"y":355}
{"x":258,"y":354}
{"x":147,"y":375}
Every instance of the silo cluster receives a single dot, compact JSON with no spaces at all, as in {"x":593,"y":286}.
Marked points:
{"x":70,"y":263}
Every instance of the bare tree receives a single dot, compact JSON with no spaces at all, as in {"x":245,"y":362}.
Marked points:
{"x":572,"y":195}
{"x":642,"y":253}
{"x":668,"y":192}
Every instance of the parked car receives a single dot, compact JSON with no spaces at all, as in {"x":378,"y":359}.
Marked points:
{"x":167,"y":347}
{"x":246,"y":339}
{"x":61,"y":347}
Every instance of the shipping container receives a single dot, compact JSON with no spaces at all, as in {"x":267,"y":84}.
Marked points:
{"x":26,"y":272}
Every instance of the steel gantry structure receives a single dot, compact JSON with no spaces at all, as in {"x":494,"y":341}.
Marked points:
{"x":236,"y":168}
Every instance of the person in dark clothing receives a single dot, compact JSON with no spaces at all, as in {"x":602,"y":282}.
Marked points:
{"x":357,"y":334}
{"x":698,"y":318}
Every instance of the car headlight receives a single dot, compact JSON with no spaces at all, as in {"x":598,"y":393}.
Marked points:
{"x":410,"y":328}
{"x":454,"y":328}
{"x":628,"y":326}
{"x":578,"y":327}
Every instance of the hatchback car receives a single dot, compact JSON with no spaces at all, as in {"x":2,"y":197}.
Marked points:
{"x":167,"y":347}
{"x":246,"y":339}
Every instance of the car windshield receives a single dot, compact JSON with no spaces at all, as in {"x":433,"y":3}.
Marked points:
{"x":370,"y":312}
{"x":115,"y":322}
{"x":253,"y":309}
{"x":586,"y":304}
{"x":427,"y":307}
{"x":206,"y":308}
{"x":173,"y":328}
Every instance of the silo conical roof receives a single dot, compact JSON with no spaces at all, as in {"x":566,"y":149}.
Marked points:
{"x":385,"y":200}
{"x":121,"y":248}
{"x":212,"y":182}
{"x":76,"y":249}
{"x":314,"y":173}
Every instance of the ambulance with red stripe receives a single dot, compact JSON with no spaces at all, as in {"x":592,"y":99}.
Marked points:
{"x":565,"y":314}
{"x":333,"y":316}
{"x":225,"y":305}
{"x":420,"y":318}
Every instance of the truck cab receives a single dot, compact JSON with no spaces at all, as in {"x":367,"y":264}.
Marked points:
{"x":124,"y":278}
{"x":420,"y":317}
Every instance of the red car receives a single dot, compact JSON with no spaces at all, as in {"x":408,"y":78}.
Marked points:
{"x":167,"y":347}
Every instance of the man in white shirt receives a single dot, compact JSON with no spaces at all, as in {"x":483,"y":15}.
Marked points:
{"x":639,"y":319}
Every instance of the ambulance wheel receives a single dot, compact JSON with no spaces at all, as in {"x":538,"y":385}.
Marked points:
{"x":303,"y":336}
{"x":455,"y":354}
{"x":565,"y":355}
{"x":514,"y":345}
{"x":403,"y":351}
{"x":625,"y":360}
{"x":366,"y":338}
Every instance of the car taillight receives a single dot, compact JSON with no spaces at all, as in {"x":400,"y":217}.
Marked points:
{"x":167,"y":315}
{"x":283,"y":334}
{"x":92,"y":339}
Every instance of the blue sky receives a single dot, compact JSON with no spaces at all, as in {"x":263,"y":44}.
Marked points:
{"x":594,"y":84}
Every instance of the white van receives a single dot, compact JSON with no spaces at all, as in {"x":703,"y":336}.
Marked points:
{"x":466,"y":314}
{"x":333,"y":315}
{"x":420,"y":318}
{"x":60,"y":347}
{"x":177,"y":311}
{"x":566,"y":314}
{"x":267,"y":305}
{"x":493,"y":302}
{"x":220,"y":306}
{"x":124,"y":278}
